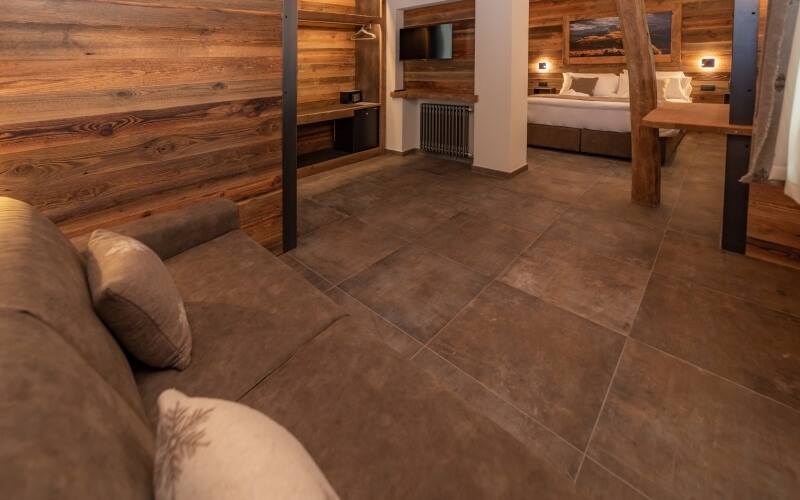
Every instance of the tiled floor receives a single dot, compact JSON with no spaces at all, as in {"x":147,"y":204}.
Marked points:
{"x":614,"y":340}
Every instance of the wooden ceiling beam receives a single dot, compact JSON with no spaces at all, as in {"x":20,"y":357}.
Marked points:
{"x":646,"y":155}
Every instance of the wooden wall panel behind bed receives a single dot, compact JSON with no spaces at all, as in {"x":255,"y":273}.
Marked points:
{"x":111,"y":111}
{"x":706,"y":30}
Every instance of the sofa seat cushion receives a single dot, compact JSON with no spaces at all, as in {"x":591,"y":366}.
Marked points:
{"x":66,"y":433}
{"x":43,"y":274}
{"x":248,"y":313}
{"x":379,"y":427}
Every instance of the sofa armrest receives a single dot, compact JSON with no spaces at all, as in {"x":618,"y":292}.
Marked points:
{"x":176,"y":231}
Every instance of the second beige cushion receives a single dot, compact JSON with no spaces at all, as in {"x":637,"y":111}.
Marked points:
{"x":136,"y":297}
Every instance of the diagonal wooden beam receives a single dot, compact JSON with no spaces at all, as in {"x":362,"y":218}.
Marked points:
{"x":646,"y":156}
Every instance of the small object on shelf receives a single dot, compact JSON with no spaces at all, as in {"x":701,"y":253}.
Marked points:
{"x":543,"y":84}
{"x":349,"y":97}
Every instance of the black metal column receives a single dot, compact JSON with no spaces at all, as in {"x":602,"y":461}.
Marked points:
{"x":743,"y":101}
{"x":289,"y":124}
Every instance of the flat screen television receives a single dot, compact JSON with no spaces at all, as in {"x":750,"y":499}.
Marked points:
{"x":427,"y":42}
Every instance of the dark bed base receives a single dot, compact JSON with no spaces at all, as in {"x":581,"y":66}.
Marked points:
{"x":596,"y":142}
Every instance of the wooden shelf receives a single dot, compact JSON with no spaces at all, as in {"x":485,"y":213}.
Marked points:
{"x":695,"y":117}
{"x":312,"y":18}
{"x":339,"y":161}
{"x":316,"y":114}
{"x":418,"y":94}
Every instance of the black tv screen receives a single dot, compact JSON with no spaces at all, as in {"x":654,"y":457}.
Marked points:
{"x":427,"y":42}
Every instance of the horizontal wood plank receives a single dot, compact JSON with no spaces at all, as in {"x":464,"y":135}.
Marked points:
{"x":113,"y":110}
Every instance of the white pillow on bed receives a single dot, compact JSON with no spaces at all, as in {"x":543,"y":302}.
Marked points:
{"x":669,"y":74}
{"x":607,"y":83}
{"x":624,"y":85}
{"x":678,"y":87}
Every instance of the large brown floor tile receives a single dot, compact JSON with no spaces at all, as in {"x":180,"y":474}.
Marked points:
{"x":352,"y":197}
{"x":700,"y":261}
{"x":612,"y":197}
{"x":552,"y":183}
{"x":530,"y":213}
{"x":321,"y":183}
{"x":436,"y":166}
{"x":315,"y":279}
{"x":311,"y":215}
{"x":607,"y":236}
{"x":598,"y":484}
{"x":675,"y":431}
{"x":446,"y":192}
{"x":552,"y":365}
{"x":698,"y":213}
{"x":407,"y":216}
{"x":416,"y":289}
{"x":339,"y":250}
{"x":390,"y":334}
{"x":477,"y":242}
{"x":603,"y":290}
{"x":738,"y":340}
{"x":399,"y":179}
{"x":541,"y":441}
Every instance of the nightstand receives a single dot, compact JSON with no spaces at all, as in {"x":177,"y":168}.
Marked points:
{"x":544,"y":90}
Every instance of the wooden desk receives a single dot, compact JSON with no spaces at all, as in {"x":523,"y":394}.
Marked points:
{"x":696,"y":117}
{"x":316,"y":114}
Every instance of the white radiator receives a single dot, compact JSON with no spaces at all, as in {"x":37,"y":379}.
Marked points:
{"x":444,"y":129}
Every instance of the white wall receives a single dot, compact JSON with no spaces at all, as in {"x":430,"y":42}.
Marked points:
{"x":501,"y":82}
{"x":402,"y":115}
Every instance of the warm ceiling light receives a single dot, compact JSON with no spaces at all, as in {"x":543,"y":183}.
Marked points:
{"x":708,"y":62}
{"x":543,"y":66}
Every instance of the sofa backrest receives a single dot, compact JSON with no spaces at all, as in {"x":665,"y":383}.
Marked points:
{"x":43,"y":274}
{"x":66,"y":433}
{"x":58,"y":365}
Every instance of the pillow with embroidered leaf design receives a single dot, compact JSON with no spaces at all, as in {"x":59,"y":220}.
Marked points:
{"x":211,"y":449}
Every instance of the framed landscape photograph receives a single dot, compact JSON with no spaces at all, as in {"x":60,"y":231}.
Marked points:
{"x":599,"y":40}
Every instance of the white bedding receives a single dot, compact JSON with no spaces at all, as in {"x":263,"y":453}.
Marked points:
{"x":610,"y":116}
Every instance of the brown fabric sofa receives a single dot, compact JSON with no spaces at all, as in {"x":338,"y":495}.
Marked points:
{"x":77,"y":417}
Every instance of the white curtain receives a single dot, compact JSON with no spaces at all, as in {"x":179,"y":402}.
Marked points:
{"x":776,"y":132}
{"x":786,"y":164}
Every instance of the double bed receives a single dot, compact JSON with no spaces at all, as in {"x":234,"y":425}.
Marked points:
{"x":590,"y":124}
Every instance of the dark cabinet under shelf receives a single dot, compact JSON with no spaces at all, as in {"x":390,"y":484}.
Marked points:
{"x":359,"y":132}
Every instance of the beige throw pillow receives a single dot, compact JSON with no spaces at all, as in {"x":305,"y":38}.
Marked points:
{"x":215,"y":449}
{"x":584,"y":85}
{"x":137,"y":299}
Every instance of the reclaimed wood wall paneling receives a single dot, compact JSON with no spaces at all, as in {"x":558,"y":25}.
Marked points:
{"x":115,"y":110}
{"x":456,"y":76}
{"x":326,"y":65}
{"x":706,"y":29}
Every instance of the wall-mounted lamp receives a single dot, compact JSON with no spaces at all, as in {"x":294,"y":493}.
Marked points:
{"x":543,"y":66}
{"x":708,"y":62}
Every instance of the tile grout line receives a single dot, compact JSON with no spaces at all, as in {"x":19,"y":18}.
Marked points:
{"x":501,"y":398}
{"x":716,"y":375}
{"x":600,"y":412}
{"x":491,"y":281}
{"x":621,"y":354}
{"x":727,"y":294}
{"x":626,"y":483}
{"x":383,"y":318}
